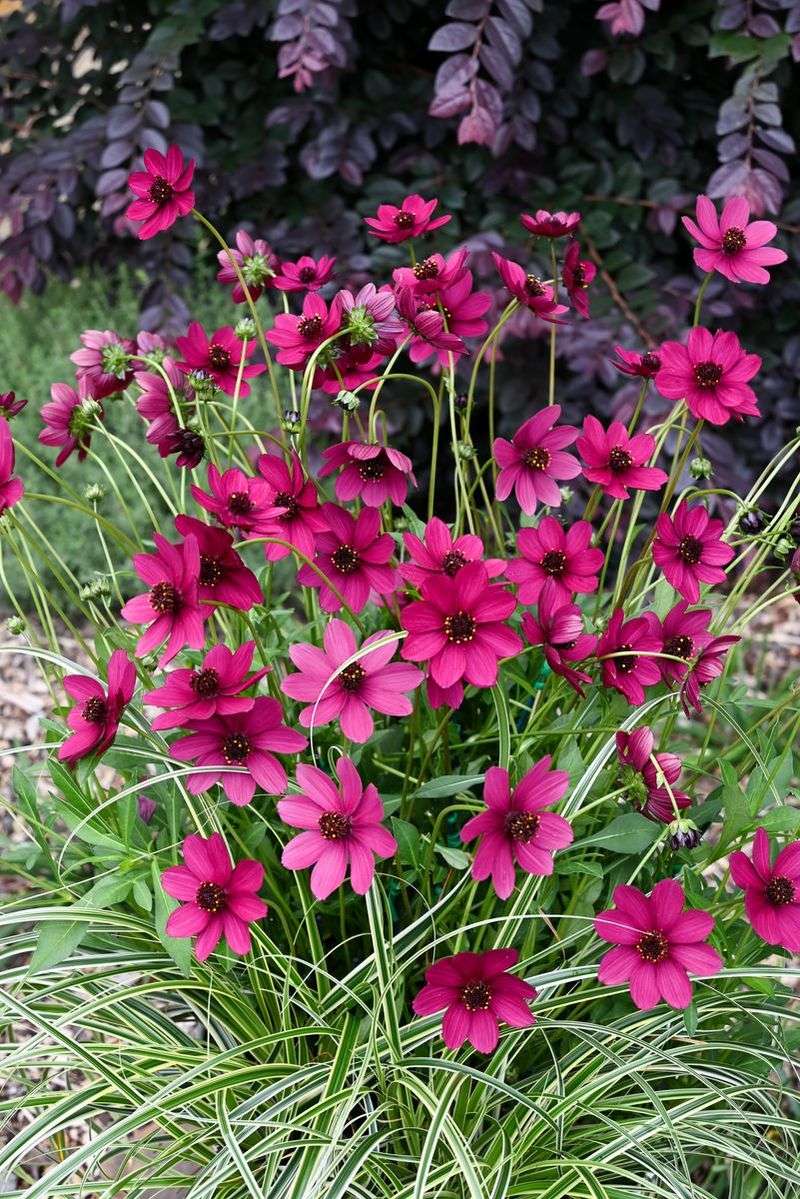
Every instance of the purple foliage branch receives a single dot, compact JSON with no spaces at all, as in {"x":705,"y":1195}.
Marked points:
{"x":316,"y":40}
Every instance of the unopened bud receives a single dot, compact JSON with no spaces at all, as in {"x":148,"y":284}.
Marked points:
{"x":94,"y":492}
{"x":466,"y":451}
{"x":291,"y":421}
{"x":16,"y":626}
{"x":701,"y":468}
{"x":348,"y":401}
{"x":245,"y":329}
{"x":752,"y":520}
{"x":684,"y":834}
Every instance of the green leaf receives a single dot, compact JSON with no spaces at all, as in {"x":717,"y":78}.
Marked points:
{"x":690,"y":1018}
{"x":737,"y":817}
{"x":630,"y":833}
{"x":142,"y":895}
{"x":59,"y":938}
{"x":407,"y":837}
{"x":633,"y":276}
{"x":781,"y":820}
{"x":449,"y":784}
{"x":178,"y":948}
{"x":454,"y":857}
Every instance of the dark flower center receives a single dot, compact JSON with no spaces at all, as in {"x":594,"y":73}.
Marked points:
{"x":521,"y":826}
{"x":619,"y":460}
{"x":94,"y":710}
{"x":309,"y":326}
{"x":779,"y":891}
{"x":733,"y":241}
{"x":627,"y":664}
{"x":284,"y":500}
{"x":427,"y":269}
{"x":680,"y":646}
{"x":371,"y":469}
{"x":160,"y":192}
{"x":235,"y":748}
{"x":210,"y":571}
{"x":210,"y":897}
{"x":239,"y":503}
{"x":707,"y":374}
{"x":651,"y":362}
{"x":307,"y":274}
{"x":334,"y":826}
{"x":476,"y":997}
{"x":163,"y":598}
{"x":653,"y":947}
{"x":188,"y":442}
{"x":459,"y":628}
{"x":204,"y":682}
{"x":690,"y":550}
{"x":404,"y":220}
{"x":352,"y":677}
{"x":534,"y":286}
{"x":579,"y":276}
{"x":452,"y":562}
{"x":554,"y":563}
{"x":537,"y":459}
{"x":346,"y":559}
{"x":218,"y":356}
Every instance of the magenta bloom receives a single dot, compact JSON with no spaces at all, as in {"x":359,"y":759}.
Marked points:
{"x":432,"y":276}
{"x":771,"y":891}
{"x":155,"y":406}
{"x":515,"y":829}
{"x":550,"y":224}
{"x":659,"y":773}
{"x":338,"y":688}
{"x":171,"y":606}
{"x":163,"y":191}
{"x":11,"y":487}
{"x":370,"y":318}
{"x":463,"y":309}
{"x":297,"y":337}
{"x":732,"y":244}
{"x":295,"y":514}
{"x":616,"y":461}
{"x":68,"y":419}
{"x":224,"y":578}
{"x":245,"y":741}
{"x":577,"y":274}
{"x":427,"y":330}
{"x":684,"y":634}
{"x":104,"y":361}
{"x":708,"y":665}
{"x":413,"y":218}
{"x":219,"y":356}
{"x":529,"y":290}
{"x":657,"y":944}
{"x":95,"y":718}
{"x":354,"y":555}
{"x":369,"y":472}
{"x":257,"y":262}
{"x":214,"y":687}
{"x":558,"y":628}
{"x":689,"y":549}
{"x":459,"y":626}
{"x":555,"y":563}
{"x":307,"y":274}
{"x":711,"y":373}
{"x":440,"y":554}
{"x":10,"y":405}
{"x":237,"y":500}
{"x":623,"y":650}
{"x":342,"y":829}
{"x":532,"y":461}
{"x":644,"y":365}
{"x":477,"y":992}
{"x":216,"y":899}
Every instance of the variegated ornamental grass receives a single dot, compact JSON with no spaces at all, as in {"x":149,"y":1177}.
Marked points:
{"x":408,"y":828}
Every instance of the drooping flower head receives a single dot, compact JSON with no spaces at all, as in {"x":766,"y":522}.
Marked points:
{"x":95,"y":718}
{"x":577,"y":274}
{"x":515,"y":829}
{"x":294,"y":514}
{"x":219,"y":356}
{"x":529,"y":290}
{"x":105,"y":361}
{"x":413,"y":218}
{"x":616,"y":461}
{"x":369,"y":472}
{"x":10,"y":405}
{"x":155,"y":404}
{"x":342,"y":829}
{"x":307,"y":274}
{"x":427,"y":330}
{"x":711,"y":373}
{"x":558,"y":628}
{"x":771,"y":890}
{"x":439,"y":553}
{"x":216,"y":899}
{"x":555,"y":563}
{"x":644,"y":364}
{"x":628,"y":652}
{"x":477,"y":993}
{"x":224,"y":578}
{"x":689,"y":549}
{"x":708,"y":665}
{"x":214,"y":687}
{"x":257,"y":262}
{"x":11,"y":487}
{"x":69,"y":418}
{"x":297,"y":337}
{"x":354,"y":555}
{"x":163,"y":191}
{"x":550,"y":224}
{"x":660,"y":800}
{"x":462,"y":308}
{"x":171,"y":606}
{"x":732,"y":244}
{"x":657,"y":944}
{"x":534,"y":459}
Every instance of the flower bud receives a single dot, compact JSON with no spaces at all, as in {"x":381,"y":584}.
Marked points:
{"x":701,"y":468}
{"x":466,"y":451}
{"x":94,"y":492}
{"x":461,"y":402}
{"x":245,"y":329}
{"x":784,"y":548}
{"x":684,"y":834}
{"x":291,"y":420}
{"x":16,"y":626}
{"x":751,"y":520}
{"x":346,"y":400}
{"x":147,"y":807}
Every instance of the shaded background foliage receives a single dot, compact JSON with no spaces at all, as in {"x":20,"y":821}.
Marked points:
{"x":305,"y":114}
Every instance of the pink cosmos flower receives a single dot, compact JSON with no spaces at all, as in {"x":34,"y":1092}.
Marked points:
{"x":732,"y":244}
{"x":534,"y":459}
{"x":163,"y":192}
{"x":440,"y":554}
{"x":708,"y":665}
{"x":11,"y":487}
{"x":558,"y":628}
{"x":617,"y":461}
{"x":550,"y":224}
{"x":104,"y":361}
{"x":95,"y":718}
{"x":622,"y":650}
{"x":462,"y":308}
{"x":342,"y":683}
{"x":224,"y":578}
{"x":354,"y":555}
{"x":771,"y":891}
{"x":342,"y":829}
{"x":428,"y":278}
{"x":577,"y":274}
{"x":10,"y":405}
{"x":427,"y":330}
{"x":370,"y":318}
{"x":555,"y":563}
{"x":68,"y":419}
{"x":369,"y":472}
{"x":477,"y":992}
{"x":243,"y":740}
{"x":684,"y":634}
{"x":237,"y":500}
{"x":515,"y":829}
{"x":214,"y":687}
{"x":171,"y":606}
{"x":307,"y":274}
{"x":219,"y":356}
{"x":257,"y":262}
{"x":459,"y":627}
{"x":216,"y":899}
{"x":689,"y":549}
{"x":188,"y":447}
{"x":711,"y":373}
{"x":295,"y":514}
{"x":644,"y":365}
{"x":413,"y":218}
{"x":659,"y":774}
{"x":657,"y":944}
{"x":155,"y":405}
{"x":297,"y":337}
{"x":529,"y":290}
{"x":347,"y":366}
